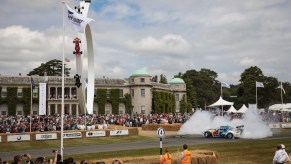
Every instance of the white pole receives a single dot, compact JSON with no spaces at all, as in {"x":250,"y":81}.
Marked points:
{"x":30,"y":104}
{"x":281,"y":94}
{"x":281,"y":87}
{"x":221,"y":98}
{"x":63,"y":70}
{"x":256,"y":96}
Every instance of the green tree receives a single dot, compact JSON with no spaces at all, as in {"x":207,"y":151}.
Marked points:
{"x":154,"y":78}
{"x":163,"y":79}
{"x":191,"y":93}
{"x":247,"y":88}
{"x":51,"y":68}
{"x":204,"y":83}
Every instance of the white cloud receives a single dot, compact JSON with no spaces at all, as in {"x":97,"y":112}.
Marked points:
{"x":160,"y":36}
{"x":247,"y":61}
{"x":166,"y":44}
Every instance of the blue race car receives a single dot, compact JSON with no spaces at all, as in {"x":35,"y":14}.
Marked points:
{"x":224,"y":132}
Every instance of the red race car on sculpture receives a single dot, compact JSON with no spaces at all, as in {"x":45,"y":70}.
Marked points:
{"x":77,"y":51}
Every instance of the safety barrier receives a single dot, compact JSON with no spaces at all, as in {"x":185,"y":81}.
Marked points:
{"x":69,"y":134}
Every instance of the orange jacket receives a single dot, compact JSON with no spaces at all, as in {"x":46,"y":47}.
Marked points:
{"x":166,"y":159}
{"x":187,"y":157}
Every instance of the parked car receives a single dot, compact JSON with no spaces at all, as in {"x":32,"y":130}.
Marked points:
{"x":228,"y":132}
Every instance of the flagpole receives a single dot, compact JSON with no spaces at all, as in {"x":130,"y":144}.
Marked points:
{"x":256,"y":96}
{"x":221,"y":97}
{"x":281,"y":95}
{"x":30,"y":104}
{"x":62,"y":112}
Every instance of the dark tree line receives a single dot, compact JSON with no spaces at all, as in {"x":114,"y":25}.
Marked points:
{"x":203,"y":88}
{"x":50,"y":68}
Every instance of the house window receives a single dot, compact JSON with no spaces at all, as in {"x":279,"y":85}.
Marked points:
{"x":35,"y":93}
{"x":19,"y":92}
{"x":121,"y":93}
{"x":142,"y":80}
{"x":3,"y":113}
{"x":177,"y":97}
{"x":107,"y":93}
{"x":132,"y":80}
{"x":142,"y":109}
{"x":132,"y":92}
{"x":142,"y":92}
{"x":95,"y":92}
{"x":19,"y":113}
{"x":4,"y":92}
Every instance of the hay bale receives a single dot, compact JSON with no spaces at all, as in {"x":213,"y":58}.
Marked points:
{"x":198,"y":157}
{"x":167,"y":127}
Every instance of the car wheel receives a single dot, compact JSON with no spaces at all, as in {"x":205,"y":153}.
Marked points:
{"x":207,"y":135}
{"x":229,"y":136}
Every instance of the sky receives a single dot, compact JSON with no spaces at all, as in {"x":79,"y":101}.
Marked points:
{"x":159,"y":36}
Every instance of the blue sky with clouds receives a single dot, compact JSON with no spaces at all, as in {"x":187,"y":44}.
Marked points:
{"x":161,"y":36}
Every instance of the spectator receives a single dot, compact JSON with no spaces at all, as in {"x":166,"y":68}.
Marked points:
{"x":167,"y":158}
{"x":280,"y":156}
{"x":185,"y":155}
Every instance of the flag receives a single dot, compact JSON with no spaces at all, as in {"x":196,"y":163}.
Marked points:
{"x":67,"y":60}
{"x":32,"y":83}
{"x":281,"y":87}
{"x":225,"y":85}
{"x":76,"y":20}
{"x":259,"y":85}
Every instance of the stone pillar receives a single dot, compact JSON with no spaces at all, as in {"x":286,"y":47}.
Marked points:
{"x":56,"y":108}
{"x":56,"y":94}
{"x":77,"y":109}
{"x":70,"y":92}
{"x":49,"y":109}
{"x":70,"y":109}
{"x":49,"y":93}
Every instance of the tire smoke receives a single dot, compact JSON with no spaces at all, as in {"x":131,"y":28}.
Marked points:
{"x":254,"y":126}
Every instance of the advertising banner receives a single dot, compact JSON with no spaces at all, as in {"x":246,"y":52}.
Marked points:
{"x":42,"y":99}
{"x":118,"y":132}
{"x":95,"y":134}
{"x":274,"y":126}
{"x":24,"y":137}
{"x":48,"y":136}
{"x":73,"y":135}
{"x":286,"y":125}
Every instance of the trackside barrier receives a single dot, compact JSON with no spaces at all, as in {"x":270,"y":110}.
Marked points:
{"x":70,"y":134}
{"x":286,"y":125}
{"x":274,"y":126}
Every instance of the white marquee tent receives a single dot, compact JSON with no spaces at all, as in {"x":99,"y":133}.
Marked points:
{"x":280,"y":107}
{"x":221,"y":102}
{"x":231,"y":110}
{"x":243,"y":109}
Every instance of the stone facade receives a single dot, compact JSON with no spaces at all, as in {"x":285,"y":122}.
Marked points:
{"x":138,"y":85}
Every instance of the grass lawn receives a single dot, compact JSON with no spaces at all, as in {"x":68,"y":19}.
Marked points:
{"x":259,"y":151}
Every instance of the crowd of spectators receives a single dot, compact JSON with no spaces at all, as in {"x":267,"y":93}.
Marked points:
{"x":38,"y":123}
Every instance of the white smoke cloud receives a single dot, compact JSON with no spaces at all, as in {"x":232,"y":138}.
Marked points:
{"x":254,"y":127}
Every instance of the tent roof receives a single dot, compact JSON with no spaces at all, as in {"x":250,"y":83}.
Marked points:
{"x":231,"y":110}
{"x":243,"y":109}
{"x":285,"y":107}
{"x":221,"y":102}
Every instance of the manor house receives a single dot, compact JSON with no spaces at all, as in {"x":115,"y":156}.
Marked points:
{"x":136,"y":94}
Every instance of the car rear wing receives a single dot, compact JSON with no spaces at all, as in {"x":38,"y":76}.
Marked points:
{"x":240,"y":127}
